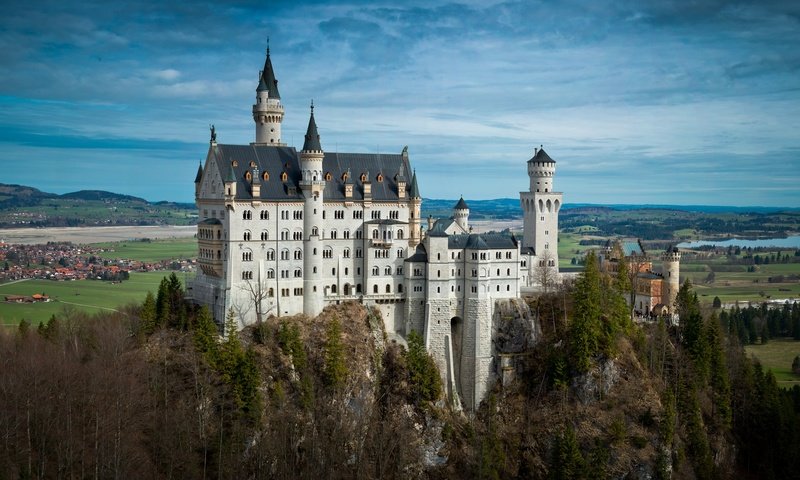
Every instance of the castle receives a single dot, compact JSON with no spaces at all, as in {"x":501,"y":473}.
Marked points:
{"x":286,"y":232}
{"x":652,"y":294}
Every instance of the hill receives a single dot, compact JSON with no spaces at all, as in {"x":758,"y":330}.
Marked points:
{"x":24,"y":206}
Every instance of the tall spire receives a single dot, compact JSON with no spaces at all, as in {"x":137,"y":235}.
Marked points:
{"x":312,"y":137}
{"x":199,"y":176}
{"x":414,"y":186}
{"x":267,"y":80}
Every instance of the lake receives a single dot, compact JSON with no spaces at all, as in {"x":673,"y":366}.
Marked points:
{"x":787,"y":242}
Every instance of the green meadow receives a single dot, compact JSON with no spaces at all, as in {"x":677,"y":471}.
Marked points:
{"x":777,"y":355}
{"x":87,"y":295}
{"x":152,"y":251}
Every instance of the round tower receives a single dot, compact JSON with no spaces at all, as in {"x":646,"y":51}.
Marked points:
{"x":671,"y":262}
{"x":268,"y":111}
{"x":312,"y":184}
{"x":540,"y":206}
{"x":541,"y":170}
{"x":461,"y":214}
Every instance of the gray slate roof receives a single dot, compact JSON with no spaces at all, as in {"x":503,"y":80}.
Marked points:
{"x":276,"y":160}
{"x":199,"y":176}
{"x":420,"y":255}
{"x":312,"y":137}
{"x":541,"y":156}
{"x":483,"y":241}
{"x":267,"y":80}
{"x":461,"y":205}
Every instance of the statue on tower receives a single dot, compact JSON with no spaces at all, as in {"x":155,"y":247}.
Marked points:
{"x":213,"y":134}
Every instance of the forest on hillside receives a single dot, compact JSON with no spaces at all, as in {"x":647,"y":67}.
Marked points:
{"x":154,"y":391}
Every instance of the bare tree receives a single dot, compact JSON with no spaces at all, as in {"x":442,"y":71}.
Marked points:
{"x":544,"y":273}
{"x":257,"y":292}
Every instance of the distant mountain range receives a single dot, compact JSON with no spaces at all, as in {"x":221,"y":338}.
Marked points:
{"x":24,"y":206}
{"x":509,"y":208}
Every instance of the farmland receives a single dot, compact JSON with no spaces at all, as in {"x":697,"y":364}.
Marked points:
{"x":777,"y":355}
{"x":88,"y":295}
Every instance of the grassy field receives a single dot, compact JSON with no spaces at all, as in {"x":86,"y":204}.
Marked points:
{"x":742,"y":285}
{"x":88,"y":295}
{"x":777,"y":355}
{"x":152,"y":251}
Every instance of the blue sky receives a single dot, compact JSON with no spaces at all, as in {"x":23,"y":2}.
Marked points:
{"x":662,"y":101}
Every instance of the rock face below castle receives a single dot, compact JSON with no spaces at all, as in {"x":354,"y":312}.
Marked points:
{"x":284,"y":231}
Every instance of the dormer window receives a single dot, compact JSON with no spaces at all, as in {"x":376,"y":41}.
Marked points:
{"x":379,"y":178}
{"x":252,"y":164}
{"x":284,"y":177}
{"x":328,"y":177}
{"x":248,"y":176}
{"x":344,"y":177}
{"x":265,"y":176}
{"x":363,"y":177}
{"x":234,"y":163}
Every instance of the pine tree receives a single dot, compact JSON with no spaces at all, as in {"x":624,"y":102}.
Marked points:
{"x":335,"y":369}
{"x":423,"y":374}
{"x":583,"y":330}
{"x":163,"y":304}
{"x":720,"y":383}
{"x":230,"y":352}
{"x":568,"y":463}
{"x":148,"y":314}
{"x":205,"y":335}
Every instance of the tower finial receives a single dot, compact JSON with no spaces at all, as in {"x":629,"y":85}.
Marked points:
{"x":312,"y":106}
{"x":268,"y":45}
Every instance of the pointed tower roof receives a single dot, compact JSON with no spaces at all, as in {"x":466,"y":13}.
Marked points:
{"x":541,"y":156}
{"x":231,"y":177}
{"x":461,"y":205}
{"x":267,"y":80}
{"x":312,"y":137}
{"x":199,"y":176}
{"x":414,"y":186}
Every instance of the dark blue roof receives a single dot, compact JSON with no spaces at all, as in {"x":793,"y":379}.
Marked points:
{"x":274,"y":161}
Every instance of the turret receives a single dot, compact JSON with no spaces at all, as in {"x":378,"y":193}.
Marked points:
{"x":312,"y":183}
{"x":541,"y":170}
{"x":268,"y":111}
{"x":671,"y":270}
{"x":461,"y":214}
{"x":230,"y":185}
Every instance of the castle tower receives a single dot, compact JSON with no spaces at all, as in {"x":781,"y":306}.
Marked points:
{"x":540,"y":206}
{"x":461,"y":214}
{"x":416,"y":207}
{"x":268,"y":111}
{"x":671,"y":268}
{"x":312,"y":184}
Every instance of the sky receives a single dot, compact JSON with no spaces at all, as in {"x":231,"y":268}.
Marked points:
{"x":638,"y":101}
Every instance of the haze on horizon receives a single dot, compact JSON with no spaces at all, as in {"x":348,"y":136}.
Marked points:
{"x":639,"y":102}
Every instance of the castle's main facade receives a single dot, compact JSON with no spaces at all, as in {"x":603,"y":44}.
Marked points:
{"x":286,"y":232}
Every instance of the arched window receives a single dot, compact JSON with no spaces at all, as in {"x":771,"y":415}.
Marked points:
{"x":399,"y":288}
{"x":400,"y":234}
{"x":375,"y":234}
{"x":379,"y":178}
{"x":265,"y":176}
{"x":388,"y":270}
{"x":264,"y":235}
{"x":246,"y":235}
{"x":364,"y":179}
{"x":374,"y":289}
{"x":328,"y":177}
{"x":284,"y":176}
{"x":388,"y":288}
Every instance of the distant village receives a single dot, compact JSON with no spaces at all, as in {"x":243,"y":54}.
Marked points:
{"x":60,"y":261}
